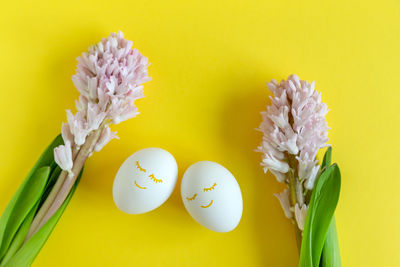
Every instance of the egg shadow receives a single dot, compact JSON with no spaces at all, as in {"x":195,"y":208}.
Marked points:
{"x":99,"y":182}
{"x":240,"y":117}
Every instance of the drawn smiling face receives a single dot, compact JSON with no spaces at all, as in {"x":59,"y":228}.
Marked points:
{"x":151,"y":177}
{"x":145,"y":180}
{"x":212,"y":196}
{"x":206,"y":189}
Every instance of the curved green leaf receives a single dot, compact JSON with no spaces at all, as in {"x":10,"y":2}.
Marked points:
{"x":30,"y":195}
{"x":331,"y":253}
{"x":28,"y":252}
{"x":20,"y":235}
{"x":322,"y":206}
{"x":327,"y":159}
{"x":46,"y":159}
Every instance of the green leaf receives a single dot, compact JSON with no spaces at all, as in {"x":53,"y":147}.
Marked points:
{"x":20,"y":236}
{"x":327,"y":159}
{"x":46,"y":159}
{"x":30,"y":195}
{"x":331,"y":253}
{"x":322,"y":206}
{"x":28,"y":252}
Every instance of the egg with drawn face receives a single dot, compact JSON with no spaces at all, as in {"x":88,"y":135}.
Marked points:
{"x":212,"y":196}
{"x":145,"y":180}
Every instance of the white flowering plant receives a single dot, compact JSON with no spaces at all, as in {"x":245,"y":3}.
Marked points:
{"x":109,"y":78}
{"x":294,"y":130}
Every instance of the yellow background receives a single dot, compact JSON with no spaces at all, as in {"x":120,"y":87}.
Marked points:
{"x":210,"y":62}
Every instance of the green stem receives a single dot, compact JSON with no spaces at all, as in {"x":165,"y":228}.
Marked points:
{"x":292,"y":188}
{"x":64,"y":184}
{"x":293,"y":201}
{"x":46,"y":205}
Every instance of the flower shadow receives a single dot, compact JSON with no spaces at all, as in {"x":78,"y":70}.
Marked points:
{"x":262,"y":213}
{"x":56,"y":92}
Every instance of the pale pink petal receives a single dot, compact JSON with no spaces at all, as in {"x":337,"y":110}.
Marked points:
{"x":92,"y":88}
{"x":105,"y":136}
{"x":300,"y":215}
{"x":311,"y":179}
{"x":82,"y":104}
{"x":63,"y":156}
{"x":66,"y":133}
{"x":285,"y":203}
{"x":94,"y":116}
{"x":127,"y":112}
{"x":78,"y":127}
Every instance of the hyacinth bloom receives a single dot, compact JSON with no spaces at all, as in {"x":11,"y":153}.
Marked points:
{"x":294,"y":129}
{"x":109,"y":78}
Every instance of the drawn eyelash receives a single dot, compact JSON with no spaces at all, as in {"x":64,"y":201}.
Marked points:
{"x":191,"y":198}
{"x":210,"y":188}
{"x":139,"y":167}
{"x":151,"y":176}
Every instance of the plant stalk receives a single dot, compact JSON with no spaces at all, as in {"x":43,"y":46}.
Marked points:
{"x":293,"y":201}
{"x":64,"y":184}
{"x":46,"y":205}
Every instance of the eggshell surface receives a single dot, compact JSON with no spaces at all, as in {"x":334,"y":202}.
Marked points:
{"x":145,"y":180}
{"x":212,"y":196}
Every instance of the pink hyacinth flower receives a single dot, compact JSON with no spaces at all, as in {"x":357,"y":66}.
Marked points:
{"x":294,"y":129}
{"x":294,"y":124}
{"x":109,"y":77}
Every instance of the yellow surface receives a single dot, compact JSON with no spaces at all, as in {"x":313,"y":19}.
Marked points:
{"x":210,"y":61}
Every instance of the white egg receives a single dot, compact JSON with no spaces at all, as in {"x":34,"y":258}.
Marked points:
{"x":145,"y":180}
{"x":212,"y":196}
